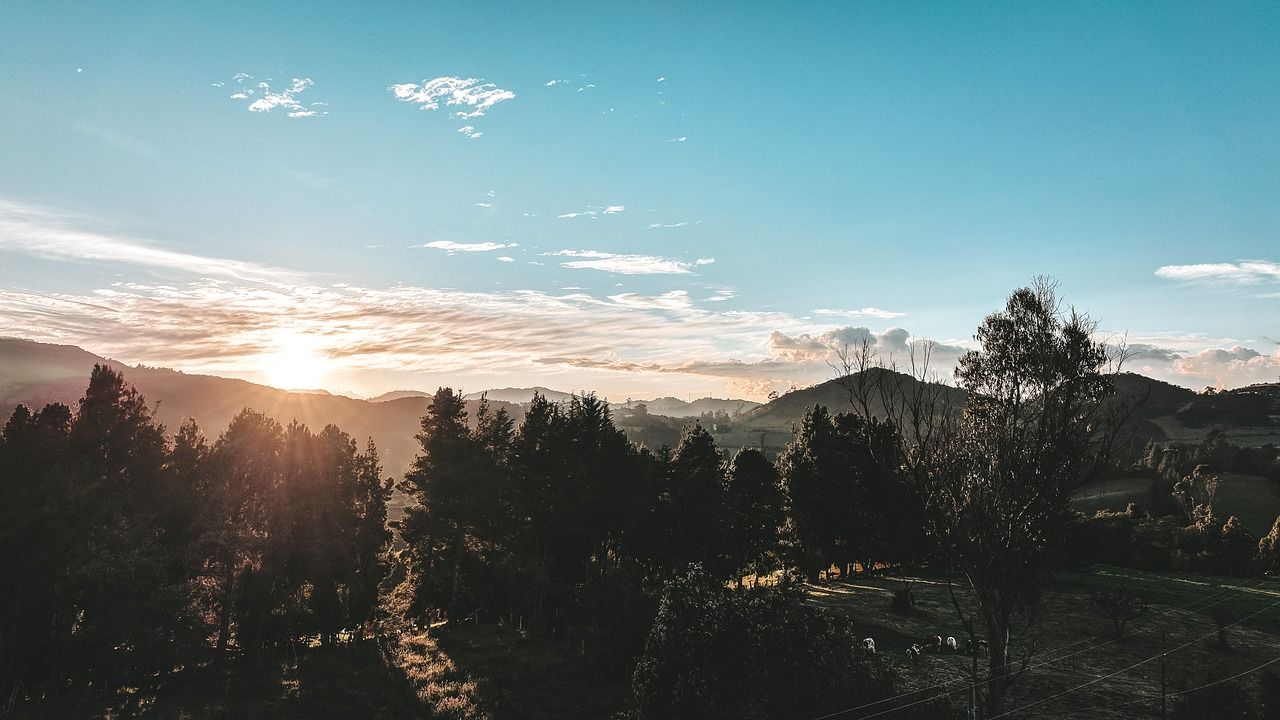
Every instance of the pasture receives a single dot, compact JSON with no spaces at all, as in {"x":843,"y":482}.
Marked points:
{"x":1073,"y":643}
{"x":1253,"y":499}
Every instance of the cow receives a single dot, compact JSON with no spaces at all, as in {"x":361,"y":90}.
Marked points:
{"x":869,"y":644}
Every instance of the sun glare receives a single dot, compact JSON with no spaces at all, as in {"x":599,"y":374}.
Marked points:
{"x":297,"y":364}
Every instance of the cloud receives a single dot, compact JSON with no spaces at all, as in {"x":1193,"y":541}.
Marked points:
{"x":453,"y":247}
{"x":1243,"y":272}
{"x":46,"y":233}
{"x":893,"y":345}
{"x":1229,"y":367}
{"x":593,"y":212}
{"x":473,"y":96}
{"x":674,"y":300}
{"x":627,"y":264}
{"x":866,"y":312}
{"x":682,"y":138}
{"x":470,"y":131}
{"x":667,"y":226}
{"x":506,"y":258}
{"x":263,"y":99}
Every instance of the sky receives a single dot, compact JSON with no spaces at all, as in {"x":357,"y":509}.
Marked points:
{"x":651,"y":199}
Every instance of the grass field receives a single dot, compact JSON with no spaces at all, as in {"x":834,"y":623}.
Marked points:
{"x":1072,"y":642}
{"x":1253,"y":499}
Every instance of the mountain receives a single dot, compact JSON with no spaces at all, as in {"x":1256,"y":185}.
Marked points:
{"x":35,"y":374}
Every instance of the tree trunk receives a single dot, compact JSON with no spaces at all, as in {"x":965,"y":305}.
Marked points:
{"x":224,"y":612}
{"x":998,"y":665}
{"x":457,"y":572}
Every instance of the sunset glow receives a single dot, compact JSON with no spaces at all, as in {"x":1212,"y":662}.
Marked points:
{"x":299,"y":364}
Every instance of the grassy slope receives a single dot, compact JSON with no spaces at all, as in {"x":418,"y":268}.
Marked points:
{"x":1253,"y":499}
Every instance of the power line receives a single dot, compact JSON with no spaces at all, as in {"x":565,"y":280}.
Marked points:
{"x":1165,"y":614}
{"x":1237,"y":676}
{"x":1130,"y":667}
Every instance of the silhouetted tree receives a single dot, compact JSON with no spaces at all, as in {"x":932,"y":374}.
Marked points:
{"x":754,"y":506}
{"x":691,"y":511}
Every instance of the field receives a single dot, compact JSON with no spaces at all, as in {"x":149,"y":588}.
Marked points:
{"x":1073,"y":642}
{"x":1253,"y":499}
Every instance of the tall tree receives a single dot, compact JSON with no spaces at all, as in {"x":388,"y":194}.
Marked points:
{"x":754,"y":507}
{"x":691,"y":510}
{"x":997,"y":479}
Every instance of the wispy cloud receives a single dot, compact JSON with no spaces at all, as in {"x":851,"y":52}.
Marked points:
{"x":628,"y":264}
{"x":46,"y":233}
{"x":674,"y":300}
{"x":472,"y":96}
{"x":866,"y":312}
{"x":1243,"y":272}
{"x":454,"y":247}
{"x":668,"y":226}
{"x":470,"y":131}
{"x":506,"y":259}
{"x":593,"y":212}
{"x":262,"y":98}
{"x":680,"y":139}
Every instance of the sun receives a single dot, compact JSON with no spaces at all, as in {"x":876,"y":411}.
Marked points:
{"x":297,"y":364}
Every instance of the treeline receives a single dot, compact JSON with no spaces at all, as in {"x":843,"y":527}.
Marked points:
{"x":563,"y":527}
{"x":125,"y":552}
{"x":1180,"y":527}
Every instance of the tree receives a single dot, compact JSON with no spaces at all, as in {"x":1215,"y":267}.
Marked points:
{"x":692,"y":507}
{"x":245,"y":476}
{"x":714,"y":652}
{"x":754,"y":503}
{"x":1120,"y":607}
{"x":461,"y":484}
{"x":1039,"y":421}
{"x":33,"y":547}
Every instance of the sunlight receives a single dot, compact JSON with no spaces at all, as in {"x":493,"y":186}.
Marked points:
{"x":297,"y":364}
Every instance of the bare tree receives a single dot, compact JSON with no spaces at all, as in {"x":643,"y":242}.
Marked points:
{"x":1039,"y":420}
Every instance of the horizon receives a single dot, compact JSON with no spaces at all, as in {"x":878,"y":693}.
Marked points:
{"x":331,"y":200}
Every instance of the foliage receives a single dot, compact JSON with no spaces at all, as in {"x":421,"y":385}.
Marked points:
{"x":124,"y":551}
{"x":714,"y":652}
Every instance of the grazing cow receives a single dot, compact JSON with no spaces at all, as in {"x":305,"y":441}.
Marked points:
{"x":869,"y":644}
{"x":951,"y":645}
{"x":932,"y":643}
{"x":913,"y":652}
{"x":978,"y":647}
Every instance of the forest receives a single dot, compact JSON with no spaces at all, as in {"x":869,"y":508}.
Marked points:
{"x":129,"y":552}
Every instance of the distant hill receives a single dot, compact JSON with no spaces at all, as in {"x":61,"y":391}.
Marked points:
{"x":677,"y":408}
{"x":399,"y":395}
{"x":35,"y":374}
{"x":520,"y":396}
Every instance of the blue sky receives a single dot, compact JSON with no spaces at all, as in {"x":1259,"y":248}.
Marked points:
{"x":668,"y":216}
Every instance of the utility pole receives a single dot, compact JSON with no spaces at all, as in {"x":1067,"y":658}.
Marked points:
{"x":1164,"y":652}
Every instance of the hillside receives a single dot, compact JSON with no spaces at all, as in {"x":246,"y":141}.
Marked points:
{"x":677,"y":408}
{"x":520,"y":396}
{"x":35,"y":374}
